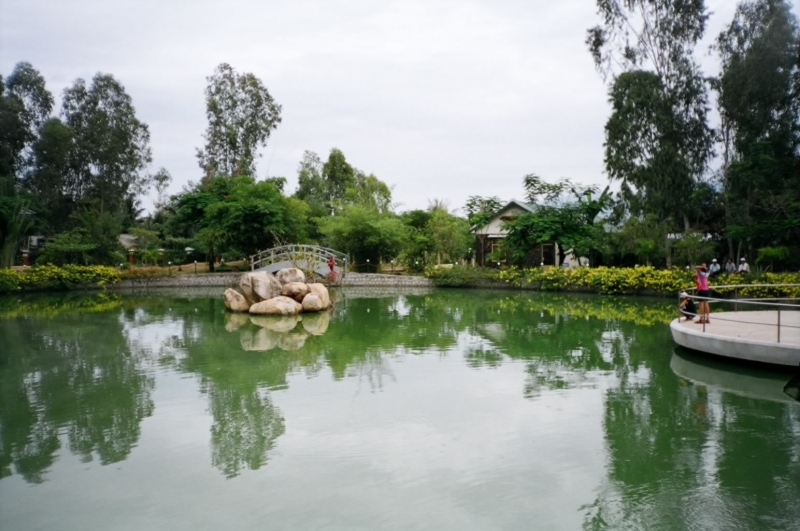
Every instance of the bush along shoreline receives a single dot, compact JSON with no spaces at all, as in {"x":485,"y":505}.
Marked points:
{"x":55,"y":278}
{"x":643,"y":280}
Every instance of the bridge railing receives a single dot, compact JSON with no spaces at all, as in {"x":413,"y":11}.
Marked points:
{"x":778,"y":304}
{"x":302,"y":256}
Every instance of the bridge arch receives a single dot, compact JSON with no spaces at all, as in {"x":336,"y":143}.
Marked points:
{"x":306,"y":257}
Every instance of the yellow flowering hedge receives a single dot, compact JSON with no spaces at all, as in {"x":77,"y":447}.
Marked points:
{"x":51,"y":277}
{"x":613,"y":280}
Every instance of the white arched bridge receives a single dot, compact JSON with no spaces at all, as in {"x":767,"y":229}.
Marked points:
{"x":306,"y":257}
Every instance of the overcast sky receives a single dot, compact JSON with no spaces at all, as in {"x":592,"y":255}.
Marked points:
{"x":440,"y":99}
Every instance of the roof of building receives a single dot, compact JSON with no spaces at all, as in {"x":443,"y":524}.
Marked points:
{"x":514,"y":202}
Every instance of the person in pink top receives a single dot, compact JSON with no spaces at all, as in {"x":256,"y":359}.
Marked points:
{"x":701,"y":281}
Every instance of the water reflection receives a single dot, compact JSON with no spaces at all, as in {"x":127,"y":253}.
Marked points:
{"x":75,"y":377}
{"x":688,"y":443}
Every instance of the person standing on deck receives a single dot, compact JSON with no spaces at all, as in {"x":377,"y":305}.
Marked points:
{"x":701,"y":281}
{"x":715,"y":267}
{"x":730,"y":267}
{"x":743,"y":267}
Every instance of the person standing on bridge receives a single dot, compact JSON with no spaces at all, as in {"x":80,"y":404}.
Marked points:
{"x":701,"y":281}
{"x":332,"y":264}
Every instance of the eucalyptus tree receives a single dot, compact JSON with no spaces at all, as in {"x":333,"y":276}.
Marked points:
{"x":338,"y":176}
{"x":25,"y":104}
{"x":241,"y":116}
{"x":48,"y":176}
{"x":26,"y":86}
{"x":310,"y":184}
{"x":111,"y":145}
{"x":658,"y":142}
{"x":759,"y":106}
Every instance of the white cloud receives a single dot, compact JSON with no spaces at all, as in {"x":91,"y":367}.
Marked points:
{"x":441,"y":99}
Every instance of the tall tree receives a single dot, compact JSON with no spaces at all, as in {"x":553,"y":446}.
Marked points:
{"x":49,"y":172}
{"x":369,"y":191}
{"x":759,"y":105}
{"x":241,"y":116}
{"x":338,"y":176}
{"x":111,"y":144}
{"x":647,"y":46}
{"x":310,"y":184}
{"x":27,"y":85}
{"x":13,"y":132}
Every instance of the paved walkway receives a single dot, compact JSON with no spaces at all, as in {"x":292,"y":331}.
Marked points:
{"x":753,"y":326}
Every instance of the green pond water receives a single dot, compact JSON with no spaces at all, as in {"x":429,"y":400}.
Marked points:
{"x":398,"y":411}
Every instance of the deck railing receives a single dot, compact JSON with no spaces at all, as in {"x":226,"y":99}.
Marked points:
{"x":784,"y":304}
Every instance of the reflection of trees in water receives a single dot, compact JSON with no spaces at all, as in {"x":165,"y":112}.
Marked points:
{"x":246,"y":423}
{"x":78,"y":376}
{"x":244,"y":431}
{"x":680,"y":455}
{"x":685,"y":456}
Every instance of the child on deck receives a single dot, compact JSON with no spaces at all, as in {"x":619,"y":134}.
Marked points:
{"x":687,"y":307}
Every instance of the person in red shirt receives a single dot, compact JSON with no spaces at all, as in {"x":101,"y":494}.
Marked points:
{"x":701,"y":281}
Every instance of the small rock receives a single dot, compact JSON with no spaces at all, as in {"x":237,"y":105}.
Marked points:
{"x":291,"y":274}
{"x":235,"y":301}
{"x":295,"y":290}
{"x":277,"y":306}
{"x":312,"y":303}
{"x":322,"y":292}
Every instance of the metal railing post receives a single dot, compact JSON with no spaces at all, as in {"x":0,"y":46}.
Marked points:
{"x":779,"y":325}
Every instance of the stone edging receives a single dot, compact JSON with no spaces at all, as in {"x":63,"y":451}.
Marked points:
{"x":205,"y":280}
{"x":224,"y":280}
{"x":376,"y":279}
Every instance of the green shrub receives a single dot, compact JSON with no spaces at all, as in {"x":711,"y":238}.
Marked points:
{"x":9,"y":280}
{"x":51,"y":277}
{"x":460,"y":276}
{"x":611,"y":280}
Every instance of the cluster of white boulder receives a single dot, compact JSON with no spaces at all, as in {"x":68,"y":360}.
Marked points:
{"x":284,"y":293}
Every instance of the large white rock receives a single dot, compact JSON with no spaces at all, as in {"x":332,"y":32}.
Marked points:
{"x":266,"y":286}
{"x":316,"y":324}
{"x":322,"y":292}
{"x":246,"y":285}
{"x":259,"y":286}
{"x":235,"y":301}
{"x":277,"y":306}
{"x":276,"y":323}
{"x":234,"y":321}
{"x":258,"y":340}
{"x":312,"y":303}
{"x":291,"y":274}
{"x":295,"y":290}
